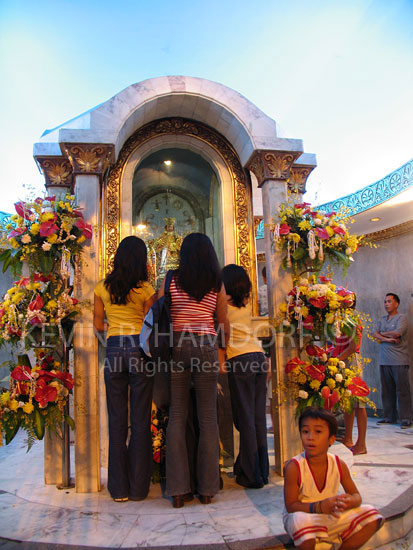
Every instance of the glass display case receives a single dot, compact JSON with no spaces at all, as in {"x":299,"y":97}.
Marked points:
{"x":174,"y":192}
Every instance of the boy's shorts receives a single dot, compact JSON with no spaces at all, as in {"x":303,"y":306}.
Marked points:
{"x":330,"y":532}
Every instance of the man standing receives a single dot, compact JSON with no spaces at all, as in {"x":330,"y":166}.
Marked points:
{"x":391,"y":332}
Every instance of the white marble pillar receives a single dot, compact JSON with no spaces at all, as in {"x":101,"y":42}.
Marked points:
{"x":86,"y":391}
{"x":272,"y":170}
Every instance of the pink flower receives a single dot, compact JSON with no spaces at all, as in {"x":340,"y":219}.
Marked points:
{"x":308,"y":322}
{"x":330,"y":399}
{"x":22,"y":210}
{"x":86,"y":228}
{"x":322,"y":233}
{"x":36,"y":304}
{"x":284,"y":229}
{"x":16,"y":232}
{"x":48,"y":228}
{"x":338,"y":229}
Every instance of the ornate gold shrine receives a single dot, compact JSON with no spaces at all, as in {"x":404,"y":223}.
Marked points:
{"x":241,"y":189}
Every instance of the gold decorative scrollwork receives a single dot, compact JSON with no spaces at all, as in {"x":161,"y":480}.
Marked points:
{"x":244,"y":228}
{"x":57,"y":171}
{"x":272,"y":164}
{"x":89,"y":159}
{"x":298,"y":178}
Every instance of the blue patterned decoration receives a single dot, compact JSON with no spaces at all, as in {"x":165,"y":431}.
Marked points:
{"x":4,"y":220}
{"x":260,"y":230}
{"x":376,"y":193}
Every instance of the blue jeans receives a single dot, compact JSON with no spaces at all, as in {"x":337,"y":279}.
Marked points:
{"x":130,"y":465}
{"x":194,"y":357}
{"x":247,"y":384}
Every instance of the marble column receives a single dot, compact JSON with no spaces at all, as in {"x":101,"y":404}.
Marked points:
{"x":58,"y":176}
{"x":272,"y":169}
{"x":89,"y":163}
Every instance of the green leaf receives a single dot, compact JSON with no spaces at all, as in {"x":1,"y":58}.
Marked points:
{"x":38,"y":424}
{"x":69,"y":420}
{"x":298,"y":253}
{"x":45,"y":264}
{"x":11,"y":429}
{"x":5,"y":254}
{"x":24,"y":360}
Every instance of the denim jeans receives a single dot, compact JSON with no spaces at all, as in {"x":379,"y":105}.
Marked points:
{"x":395,"y":392}
{"x":194,"y":357}
{"x":130,"y":465}
{"x":247,"y":384}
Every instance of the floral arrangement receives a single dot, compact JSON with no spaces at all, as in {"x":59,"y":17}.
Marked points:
{"x":33,"y":302}
{"x":323,"y":381}
{"x":308,"y":237}
{"x":44,"y":231}
{"x":159,"y":421}
{"x":317,"y":307}
{"x":36,"y":398}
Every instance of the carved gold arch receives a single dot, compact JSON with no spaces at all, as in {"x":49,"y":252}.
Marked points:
{"x":242,"y":196}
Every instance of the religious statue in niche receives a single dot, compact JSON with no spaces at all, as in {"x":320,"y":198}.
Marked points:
{"x":164,"y":252}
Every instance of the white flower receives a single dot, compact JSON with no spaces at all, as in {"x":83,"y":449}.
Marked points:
{"x":46,"y":203}
{"x":21,"y":404}
{"x":26,"y":238}
{"x":32,"y":218}
{"x":324,"y":357}
{"x":341,"y":364}
{"x":297,"y":309}
{"x":322,"y":212}
{"x":348,"y":251}
{"x":317,"y":221}
{"x":348,"y":392}
{"x":302,"y":394}
{"x":72,"y":237}
{"x":325,"y":220}
{"x":330,"y":223}
{"x":339,"y":377}
{"x":286,"y":323}
{"x":303,"y":282}
{"x":46,"y":246}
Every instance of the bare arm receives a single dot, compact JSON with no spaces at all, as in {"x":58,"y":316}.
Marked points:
{"x":351,"y":498}
{"x":379,"y":336}
{"x":149,"y":303}
{"x":222,"y":317}
{"x":98,"y":314}
{"x":350,"y":349}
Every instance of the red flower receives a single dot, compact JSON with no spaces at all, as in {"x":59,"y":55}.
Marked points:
{"x":322,"y":233}
{"x":66,"y":378}
{"x":16,"y":232}
{"x":22,"y":210}
{"x":330,"y":399}
{"x":48,"y":228}
{"x":21,"y":373}
{"x":308,"y":322}
{"x":293,"y":364}
{"x":157,"y":456}
{"x":284,"y":229}
{"x":358,"y":387}
{"x":319,"y":302}
{"x":45,"y":393}
{"x":86,"y":228}
{"x":316,"y":371}
{"x":315,"y":351}
{"x":36,"y":304}
{"x":338,"y":229}
{"x":325,"y":279}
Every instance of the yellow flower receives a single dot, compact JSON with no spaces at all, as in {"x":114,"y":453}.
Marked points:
{"x":13,"y":242}
{"x":331,"y":383}
{"x":302,"y":378}
{"x":303,"y":289}
{"x":35,"y":228}
{"x":4,"y":397}
{"x":304,"y":225}
{"x":304,"y":311}
{"x":28,"y":408}
{"x":332,"y":369}
{"x":61,"y":204}
{"x":52,"y":239}
{"x":81,"y":239}
{"x":17,"y":298}
{"x":66,"y":226}
{"x":295,"y":237}
{"x":14,"y":218}
{"x":13,"y":405}
{"x":47,"y":216}
{"x":51,"y":304}
{"x":333,"y":361}
{"x":283,"y":308}
{"x":330,"y":318}
{"x":315,"y":384}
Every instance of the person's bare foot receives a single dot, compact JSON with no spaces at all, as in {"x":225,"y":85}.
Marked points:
{"x":348,"y":443}
{"x":358,"y":450}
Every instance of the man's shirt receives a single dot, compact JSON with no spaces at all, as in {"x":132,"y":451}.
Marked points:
{"x":392,"y":353}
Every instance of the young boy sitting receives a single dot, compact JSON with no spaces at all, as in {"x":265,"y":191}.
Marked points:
{"x":315,"y":515}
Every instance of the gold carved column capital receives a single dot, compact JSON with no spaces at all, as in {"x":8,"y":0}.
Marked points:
{"x":88,"y":158}
{"x":298,"y":178}
{"x":57,"y":172}
{"x":272,"y":165}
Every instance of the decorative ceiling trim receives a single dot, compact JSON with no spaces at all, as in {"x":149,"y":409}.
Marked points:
{"x":376,"y":193}
{"x":391,"y":232}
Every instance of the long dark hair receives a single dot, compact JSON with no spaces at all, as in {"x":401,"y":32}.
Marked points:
{"x":129,"y":269}
{"x":199,"y":271}
{"x":237,"y":284}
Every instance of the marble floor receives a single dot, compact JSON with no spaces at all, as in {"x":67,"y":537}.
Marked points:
{"x":237,"y":518}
